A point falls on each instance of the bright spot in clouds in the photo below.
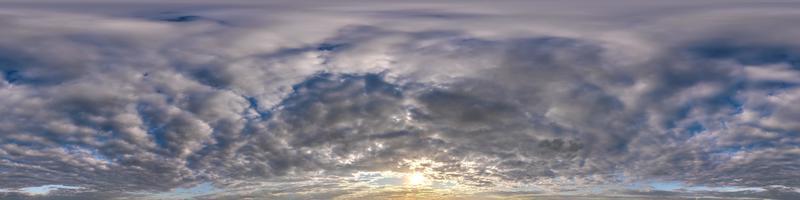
(417, 179)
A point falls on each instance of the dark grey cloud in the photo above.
(494, 101)
(67, 195)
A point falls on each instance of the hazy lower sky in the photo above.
(443, 99)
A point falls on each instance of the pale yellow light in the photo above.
(416, 179)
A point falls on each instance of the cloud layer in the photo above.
(128, 99)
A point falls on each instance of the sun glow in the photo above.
(416, 179)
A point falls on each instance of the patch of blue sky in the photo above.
(387, 181)
(94, 153)
(666, 185)
(675, 185)
(187, 193)
(45, 189)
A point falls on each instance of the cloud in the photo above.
(549, 98)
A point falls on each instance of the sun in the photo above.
(416, 179)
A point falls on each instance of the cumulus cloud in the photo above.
(517, 99)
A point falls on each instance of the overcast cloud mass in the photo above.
(400, 99)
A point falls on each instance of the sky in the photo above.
(356, 99)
